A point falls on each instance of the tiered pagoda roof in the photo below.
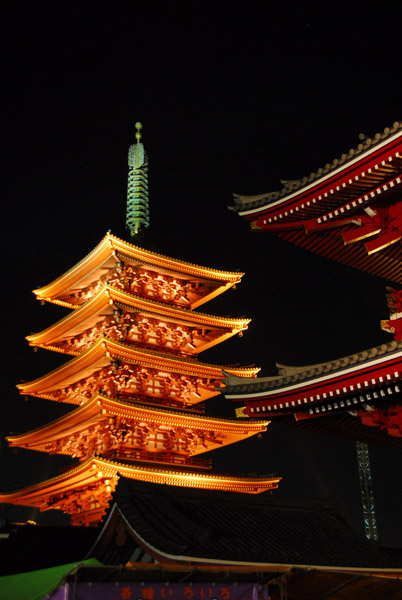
(334, 210)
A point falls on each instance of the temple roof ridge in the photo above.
(247, 202)
(360, 356)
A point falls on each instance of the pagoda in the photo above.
(138, 389)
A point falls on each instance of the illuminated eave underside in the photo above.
(112, 249)
(360, 380)
(101, 408)
(96, 469)
(325, 234)
(104, 351)
(386, 264)
(109, 298)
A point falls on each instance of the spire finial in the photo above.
(138, 135)
(137, 217)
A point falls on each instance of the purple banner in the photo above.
(161, 591)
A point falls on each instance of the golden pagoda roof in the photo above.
(95, 470)
(112, 250)
(104, 351)
(108, 298)
(100, 408)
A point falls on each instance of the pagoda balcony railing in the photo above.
(89, 517)
(156, 347)
(168, 458)
(163, 402)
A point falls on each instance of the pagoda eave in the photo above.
(106, 351)
(88, 422)
(89, 486)
(109, 299)
(111, 250)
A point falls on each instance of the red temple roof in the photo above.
(365, 383)
(334, 210)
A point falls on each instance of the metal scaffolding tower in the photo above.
(366, 488)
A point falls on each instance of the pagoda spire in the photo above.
(137, 215)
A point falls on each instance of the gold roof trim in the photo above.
(95, 468)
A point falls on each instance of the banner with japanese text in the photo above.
(160, 591)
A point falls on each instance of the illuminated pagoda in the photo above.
(133, 336)
(349, 211)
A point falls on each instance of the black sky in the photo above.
(232, 100)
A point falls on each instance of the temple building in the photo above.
(133, 376)
(349, 211)
(171, 527)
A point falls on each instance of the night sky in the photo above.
(232, 100)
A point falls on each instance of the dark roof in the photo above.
(26, 547)
(198, 526)
(186, 525)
